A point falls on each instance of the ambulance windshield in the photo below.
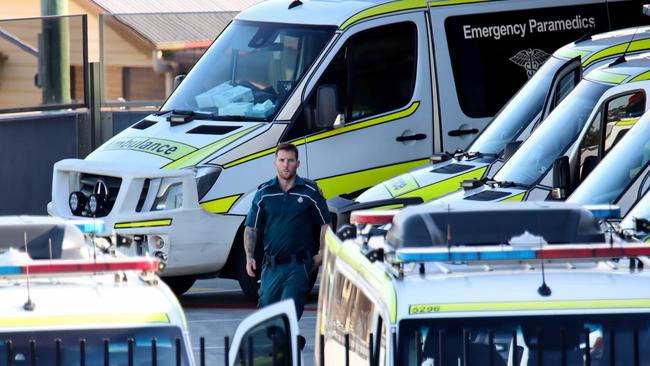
(250, 70)
(620, 168)
(523, 340)
(553, 137)
(519, 112)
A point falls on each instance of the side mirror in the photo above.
(641, 225)
(511, 148)
(561, 178)
(646, 9)
(178, 79)
(327, 102)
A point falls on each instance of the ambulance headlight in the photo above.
(156, 241)
(95, 204)
(206, 176)
(77, 202)
(169, 196)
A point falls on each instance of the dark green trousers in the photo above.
(285, 281)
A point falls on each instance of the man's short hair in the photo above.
(287, 147)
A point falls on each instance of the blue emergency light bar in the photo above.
(89, 226)
(603, 212)
(501, 253)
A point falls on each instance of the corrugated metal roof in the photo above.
(178, 30)
(173, 6)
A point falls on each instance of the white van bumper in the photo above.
(188, 239)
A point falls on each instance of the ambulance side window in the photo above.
(621, 113)
(350, 312)
(565, 86)
(371, 77)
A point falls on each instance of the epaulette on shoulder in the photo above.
(311, 184)
(265, 184)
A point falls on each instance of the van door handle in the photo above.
(459, 132)
(417, 136)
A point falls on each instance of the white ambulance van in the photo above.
(65, 301)
(421, 289)
(366, 89)
(511, 126)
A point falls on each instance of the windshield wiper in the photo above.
(242, 118)
(510, 184)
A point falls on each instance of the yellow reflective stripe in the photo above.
(351, 182)
(319, 136)
(606, 77)
(529, 305)
(201, 154)
(150, 223)
(371, 122)
(627, 122)
(642, 76)
(377, 278)
(427, 193)
(251, 157)
(570, 52)
(387, 207)
(516, 198)
(454, 2)
(83, 319)
(401, 184)
(220, 205)
(390, 7)
(638, 45)
(165, 148)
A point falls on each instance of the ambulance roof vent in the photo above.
(213, 130)
(462, 223)
(144, 124)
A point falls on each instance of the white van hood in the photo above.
(161, 145)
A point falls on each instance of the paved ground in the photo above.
(214, 308)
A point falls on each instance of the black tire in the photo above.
(248, 284)
(179, 284)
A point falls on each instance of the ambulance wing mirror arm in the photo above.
(561, 178)
(327, 107)
(178, 79)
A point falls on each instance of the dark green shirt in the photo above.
(288, 218)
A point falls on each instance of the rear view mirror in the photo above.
(327, 102)
(511, 148)
(646, 9)
(561, 178)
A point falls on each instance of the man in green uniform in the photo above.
(285, 210)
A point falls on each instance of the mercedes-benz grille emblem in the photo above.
(100, 188)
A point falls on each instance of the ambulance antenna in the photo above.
(92, 237)
(621, 58)
(543, 290)
(49, 243)
(448, 231)
(29, 305)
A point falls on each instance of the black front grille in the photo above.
(488, 196)
(88, 184)
(453, 169)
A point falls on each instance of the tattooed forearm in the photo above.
(250, 238)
